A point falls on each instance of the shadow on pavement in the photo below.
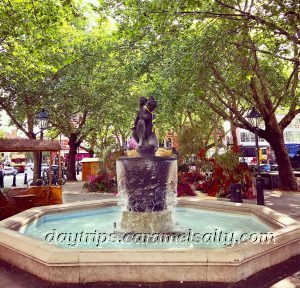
(14, 277)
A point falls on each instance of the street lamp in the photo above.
(255, 118)
(43, 120)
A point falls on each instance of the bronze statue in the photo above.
(143, 126)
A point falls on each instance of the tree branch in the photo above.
(15, 121)
(288, 118)
(295, 60)
(260, 20)
(268, 105)
(293, 74)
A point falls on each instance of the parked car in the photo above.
(262, 168)
(9, 170)
(20, 168)
(265, 167)
(30, 166)
(274, 167)
(295, 161)
(45, 167)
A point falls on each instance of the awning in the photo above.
(30, 145)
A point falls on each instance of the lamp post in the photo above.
(77, 169)
(254, 117)
(43, 120)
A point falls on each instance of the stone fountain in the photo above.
(147, 187)
(147, 183)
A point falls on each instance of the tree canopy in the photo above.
(205, 62)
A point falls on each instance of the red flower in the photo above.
(235, 149)
(202, 153)
(103, 182)
(185, 190)
(249, 193)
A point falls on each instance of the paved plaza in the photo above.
(284, 275)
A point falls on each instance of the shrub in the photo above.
(185, 189)
(103, 182)
(226, 170)
(186, 182)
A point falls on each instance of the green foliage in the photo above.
(88, 64)
(37, 39)
(103, 156)
(228, 160)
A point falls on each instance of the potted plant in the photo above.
(3, 197)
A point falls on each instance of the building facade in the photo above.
(291, 134)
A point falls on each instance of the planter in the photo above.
(3, 200)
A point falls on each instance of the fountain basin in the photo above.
(229, 264)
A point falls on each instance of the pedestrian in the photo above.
(1, 176)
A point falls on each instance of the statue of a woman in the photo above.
(143, 126)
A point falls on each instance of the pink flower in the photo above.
(132, 143)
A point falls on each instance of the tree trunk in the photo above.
(36, 162)
(233, 131)
(287, 179)
(71, 168)
(234, 135)
(91, 153)
(216, 141)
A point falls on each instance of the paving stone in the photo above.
(296, 275)
(289, 282)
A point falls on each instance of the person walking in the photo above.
(1, 176)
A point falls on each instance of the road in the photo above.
(8, 179)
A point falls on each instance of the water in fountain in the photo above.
(147, 187)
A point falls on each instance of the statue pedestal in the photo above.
(147, 184)
(148, 191)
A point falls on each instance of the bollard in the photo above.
(77, 169)
(260, 191)
(25, 178)
(236, 193)
(1, 179)
(14, 181)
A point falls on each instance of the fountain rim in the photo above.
(37, 256)
(147, 157)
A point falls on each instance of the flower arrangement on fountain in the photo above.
(225, 170)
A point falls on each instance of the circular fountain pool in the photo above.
(198, 228)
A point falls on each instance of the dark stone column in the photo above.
(147, 184)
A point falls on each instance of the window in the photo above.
(288, 136)
(247, 137)
(297, 136)
(250, 137)
(295, 123)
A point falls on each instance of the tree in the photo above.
(75, 106)
(90, 93)
(231, 56)
(33, 49)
